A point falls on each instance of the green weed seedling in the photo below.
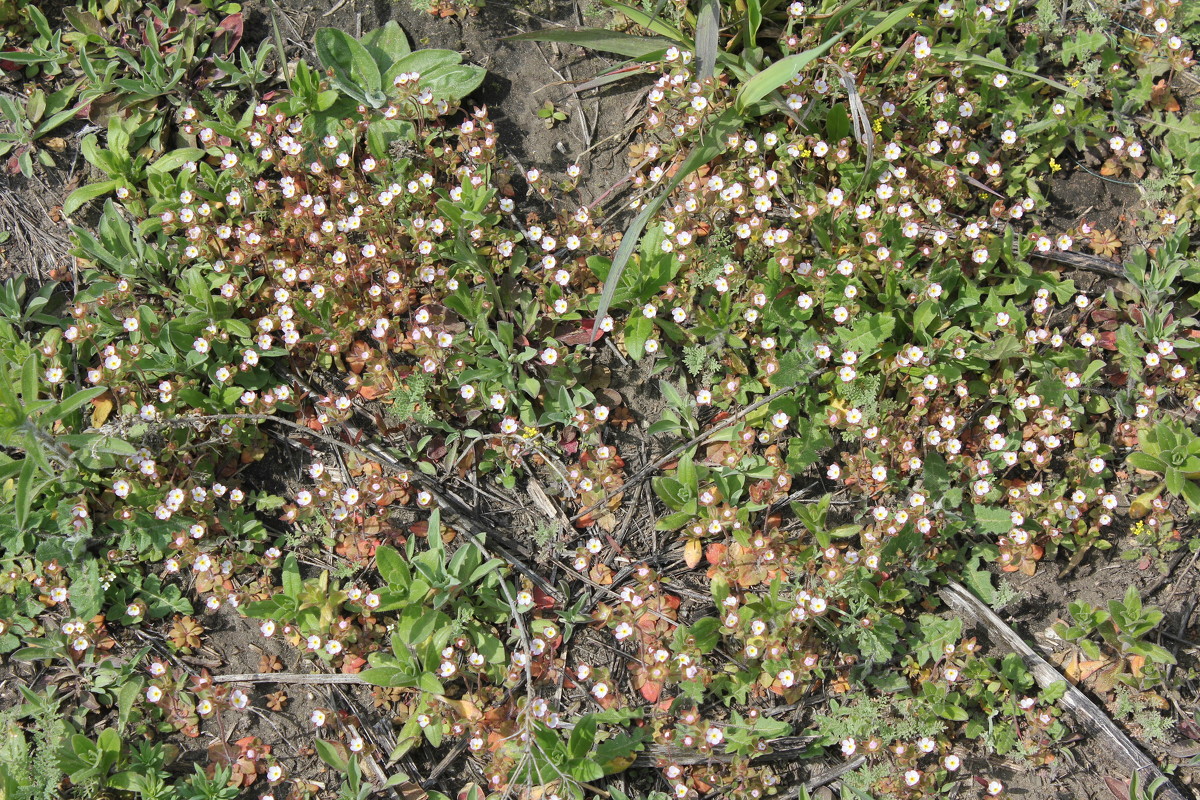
(1121, 630)
(1172, 450)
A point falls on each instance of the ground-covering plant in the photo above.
(838, 271)
(133, 63)
(1123, 627)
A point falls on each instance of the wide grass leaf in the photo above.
(780, 73)
(708, 25)
(710, 146)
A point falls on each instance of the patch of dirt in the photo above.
(521, 77)
(233, 645)
(1108, 204)
(38, 239)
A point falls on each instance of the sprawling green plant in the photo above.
(1172, 450)
(837, 271)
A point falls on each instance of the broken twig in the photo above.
(1089, 716)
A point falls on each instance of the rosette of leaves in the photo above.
(1172, 450)
(365, 69)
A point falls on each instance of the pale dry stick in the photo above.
(1085, 711)
(833, 774)
(335, 7)
(624, 361)
(701, 438)
(447, 760)
(300, 678)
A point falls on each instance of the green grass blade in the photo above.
(710, 146)
(780, 73)
(754, 17)
(708, 26)
(612, 76)
(649, 22)
(889, 22)
(948, 53)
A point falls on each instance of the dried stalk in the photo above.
(1089, 716)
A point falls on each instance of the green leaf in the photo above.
(708, 24)
(649, 21)
(1191, 493)
(129, 693)
(35, 107)
(600, 39)
(455, 83)
(175, 159)
(332, 753)
(837, 122)
(753, 22)
(952, 711)
(638, 330)
(993, 520)
(582, 737)
(979, 581)
(1082, 46)
(29, 380)
(1146, 462)
(384, 132)
(292, 583)
(87, 193)
(386, 44)
(391, 567)
(24, 501)
(389, 676)
(73, 402)
(429, 683)
(423, 62)
(87, 593)
(804, 450)
(889, 22)
(350, 61)
(866, 336)
(779, 73)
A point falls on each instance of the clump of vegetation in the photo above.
(840, 272)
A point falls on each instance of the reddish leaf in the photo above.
(371, 392)
(580, 335)
(221, 753)
(1161, 97)
(541, 599)
(229, 33)
(1189, 728)
(651, 690)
